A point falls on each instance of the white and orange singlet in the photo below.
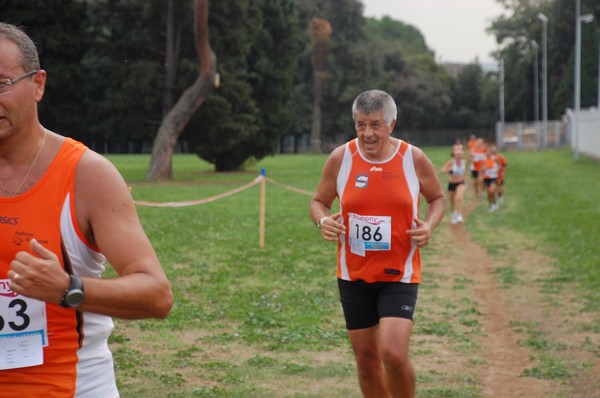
(379, 202)
(491, 168)
(47, 350)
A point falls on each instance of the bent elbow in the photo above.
(163, 307)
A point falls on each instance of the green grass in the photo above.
(252, 322)
(555, 202)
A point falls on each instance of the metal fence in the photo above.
(420, 138)
(531, 135)
(586, 137)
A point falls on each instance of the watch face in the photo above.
(74, 297)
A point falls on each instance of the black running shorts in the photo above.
(365, 303)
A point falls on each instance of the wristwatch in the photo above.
(73, 296)
(320, 222)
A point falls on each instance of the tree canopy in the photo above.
(110, 86)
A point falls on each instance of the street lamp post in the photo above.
(544, 21)
(598, 104)
(501, 94)
(536, 96)
(579, 19)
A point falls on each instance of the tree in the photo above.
(61, 40)
(178, 117)
(258, 53)
(125, 76)
(514, 31)
(320, 33)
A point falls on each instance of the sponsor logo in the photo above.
(373, 220)
(21, 237)
(375, 168)
(361, 181)
(5, 290)
(389, 175)
(391, 271)
(9, 220)
(407, 308)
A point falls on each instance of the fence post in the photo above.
(520, 134)
(263, 200)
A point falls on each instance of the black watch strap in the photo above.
(74, 294)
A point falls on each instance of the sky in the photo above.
(453, 29)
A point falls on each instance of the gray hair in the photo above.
(29, 55)
(375, 101)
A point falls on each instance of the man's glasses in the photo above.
(6, 85)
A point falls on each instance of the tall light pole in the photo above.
(598, 104)
(501, 94)
(536, 96)
(544, 20)
(578, 20)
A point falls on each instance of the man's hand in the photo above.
(38, 276)
(331, 228)
(421, 234)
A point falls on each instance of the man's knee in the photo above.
(396, 360)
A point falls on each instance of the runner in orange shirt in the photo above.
(490, 171)
(64, 210)
(503, 162)
(478, 155)
(472, 143)
(378, 180)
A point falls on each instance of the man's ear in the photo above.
(40, 84)
(392, 124)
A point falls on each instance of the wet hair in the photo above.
(375, 101)
(29, 56)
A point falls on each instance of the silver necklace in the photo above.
(32, 164)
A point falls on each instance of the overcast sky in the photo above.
(453, 29)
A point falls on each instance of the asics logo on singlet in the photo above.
(9, 220)
(375, 168)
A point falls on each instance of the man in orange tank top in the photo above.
(503, 162)
(378, 180)
(65, 210)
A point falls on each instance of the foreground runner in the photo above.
(378, 180)
(65, 211)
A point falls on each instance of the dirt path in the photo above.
(502, 308)
(504, 358)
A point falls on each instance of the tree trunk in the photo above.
(320, 30)
(315, 131)
(161, 162)
(172, 54)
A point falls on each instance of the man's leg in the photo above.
(394, 341)
(371, 377)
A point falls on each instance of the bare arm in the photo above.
(320, 204)
(447, 167)
(107, 217)
(432, 190)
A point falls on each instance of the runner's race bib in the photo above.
(369, 233)
(23, 329)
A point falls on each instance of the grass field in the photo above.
(251, 322)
